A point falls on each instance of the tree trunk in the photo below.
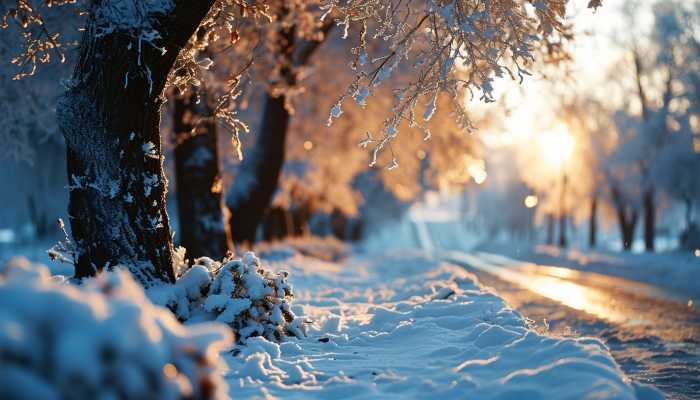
(110, 117)
(688, 212)
(197, 179)
(247, 204)
(550, 229)
(563, 242)
(262, 169)
(39, 219)
(627, 223)
(593, 224)
(562, 213)
(628, 233)
(649, 220)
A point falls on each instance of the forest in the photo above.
(209, 199)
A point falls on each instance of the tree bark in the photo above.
(110, 117)
(649, 205)
(593, 224)
(197, 178)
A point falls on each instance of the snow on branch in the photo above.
(456, 46)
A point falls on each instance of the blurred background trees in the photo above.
(605, 156)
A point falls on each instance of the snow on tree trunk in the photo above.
(197, 179)
(110, 116)
(248, 206)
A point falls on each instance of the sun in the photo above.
(556, 146)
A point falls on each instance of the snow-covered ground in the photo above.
(403, 325)
(407, 326)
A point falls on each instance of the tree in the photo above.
(260, 170)
(663, 65)
(197, 177)
(592, 129)
(110, 113)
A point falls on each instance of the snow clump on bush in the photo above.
(239, 292)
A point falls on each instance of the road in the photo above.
(653, 334)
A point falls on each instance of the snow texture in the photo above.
(410, 327)
(102, 339)
(237, 292)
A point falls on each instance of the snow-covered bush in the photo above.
(239, 292)
(102, 339)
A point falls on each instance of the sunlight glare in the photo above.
(477, 171)
(556, 146)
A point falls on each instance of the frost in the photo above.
(430, 109)
(394, 164)
(149, 149)
(361, 96)
(205, 63)
(362, 59)
(335, 113)
(130, 15)
(149, 182)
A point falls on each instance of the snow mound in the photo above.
(238, 292)
(101, 339)
(406, 326)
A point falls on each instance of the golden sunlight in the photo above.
(556, 146)
(477, 170)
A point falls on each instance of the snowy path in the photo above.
(408, 326)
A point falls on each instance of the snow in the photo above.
(239, 292)
(407, 326)
(104, 337)
(397, 325)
